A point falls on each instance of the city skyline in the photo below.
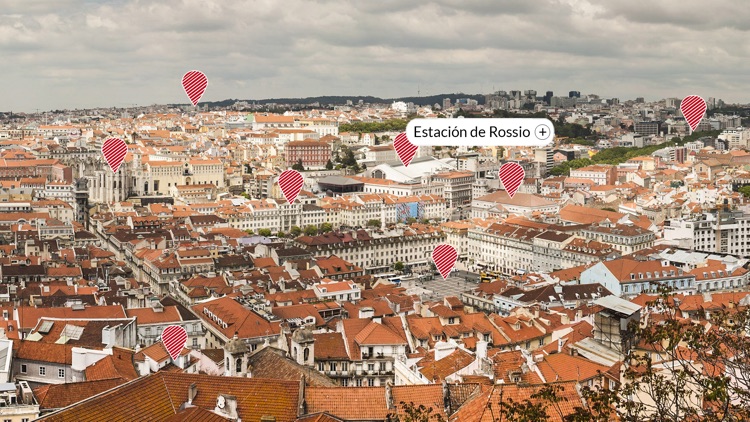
(86, 54)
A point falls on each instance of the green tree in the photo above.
(311, 230)
(250, 232)
(398, 266)
(329, 165)
(326, 227)
(264, 232)
(280, 234)
(410, 412)
(699, 370)
(348, 159)
(298, 166)
(411, 220)
(373, 223)
(295, 231)
(745, 191)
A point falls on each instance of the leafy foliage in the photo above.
(697, 370)
(264, 232)
(413, 413)
(393, 125)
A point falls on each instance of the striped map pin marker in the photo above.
(693, 108)
(444, 256)
(404, 149)
(290, 182)
(114, 151)
(512, 175)
(174, 338)
(195, 83)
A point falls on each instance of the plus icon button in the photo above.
(542, 132)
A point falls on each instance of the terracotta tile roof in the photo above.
(196, 414)
(319, 417)
(430, 395)
(156, 352)
(119, 365)
(56, 396)
(564, 367)
(272, 363)
(363, 403)
(149, 316)
(330, 346)
(44, 352)
(160, 395)
(246, 323)
(377, 334)
(439, 370)
(30, 316)
(483, 407)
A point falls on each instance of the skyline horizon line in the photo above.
(187, 104)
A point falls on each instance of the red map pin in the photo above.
(404, 149)
(195, 83)
(114, 151)
(512, 175)
(290, 182)
(174, 338)
(693, 108)
(444, 256)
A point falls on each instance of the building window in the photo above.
(359, 382)
(42, 371)
(23, 368)
(371, 382)
(60, 373)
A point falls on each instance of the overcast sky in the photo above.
(88, 53)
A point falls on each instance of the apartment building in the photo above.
(600, 174)
(626, 238)
(510, 248)
(628, 277)
(376, 251)
(458, 187)
(727, 233)
(313, 154)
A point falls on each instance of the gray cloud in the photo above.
(79, 53)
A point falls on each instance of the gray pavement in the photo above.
(438, 288)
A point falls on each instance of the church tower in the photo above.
(303, 347)
(235, 357)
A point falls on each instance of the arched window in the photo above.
(307, 353)
(237, 365)
(294, 353)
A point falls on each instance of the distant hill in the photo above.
(341, 100)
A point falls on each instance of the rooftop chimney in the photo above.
(192, 392)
